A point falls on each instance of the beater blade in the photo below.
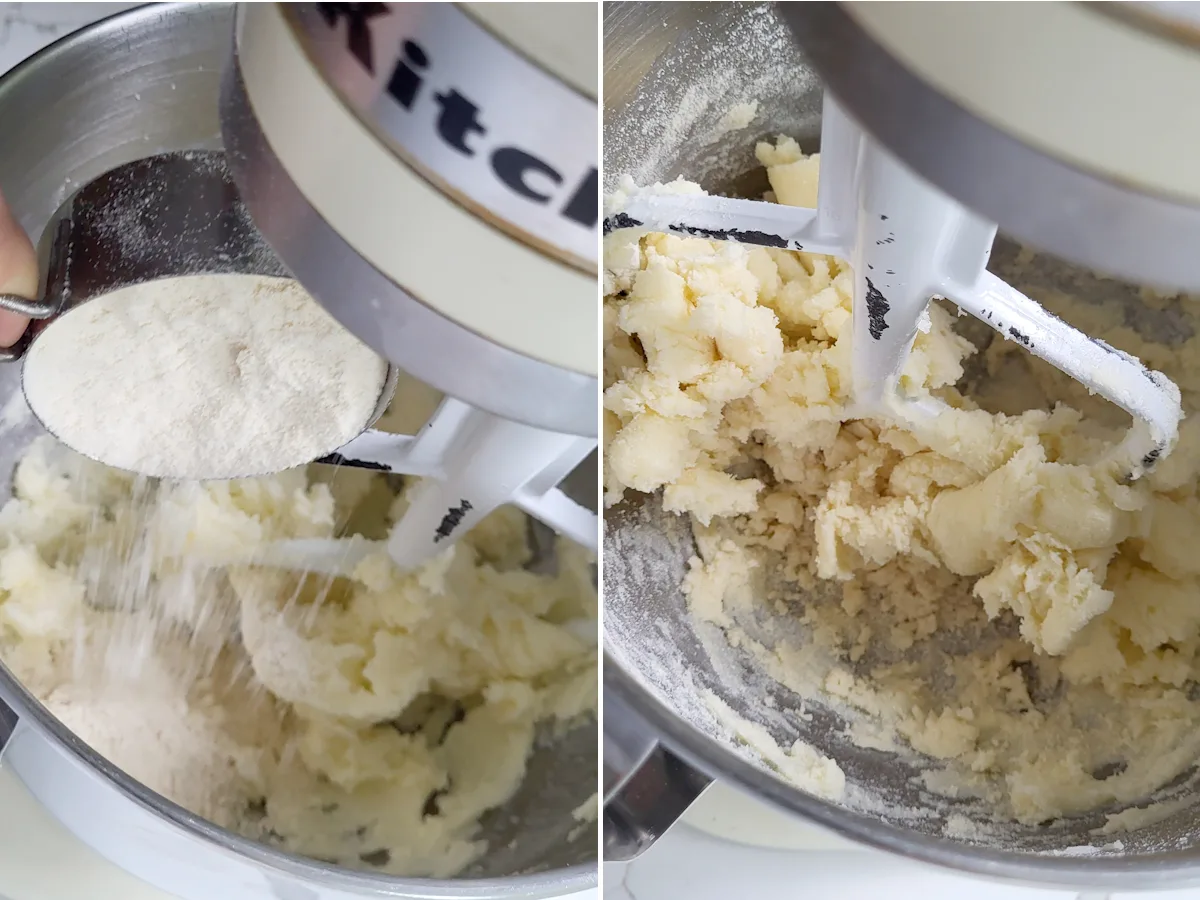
(908, 243)
(472, 463)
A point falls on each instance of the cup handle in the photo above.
(33, 309)
(647, 787)
(40, 310)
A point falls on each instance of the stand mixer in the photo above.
(335, 118)
(922, 151)
(516, 361)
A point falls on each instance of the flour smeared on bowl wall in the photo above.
(678, 119)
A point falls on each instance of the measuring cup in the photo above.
(161, 217)
(180, 214)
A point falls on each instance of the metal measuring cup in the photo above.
(164, 216)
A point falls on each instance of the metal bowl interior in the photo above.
(146, 82)
(672, 70)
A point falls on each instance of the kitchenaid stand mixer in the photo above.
(328, 111)
(507, 337)
(660, 751)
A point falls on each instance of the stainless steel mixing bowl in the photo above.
(141, 83)
(671, 71)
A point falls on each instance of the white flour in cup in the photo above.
(203, 376)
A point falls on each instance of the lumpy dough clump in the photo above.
(369, 721)
(1003, 525)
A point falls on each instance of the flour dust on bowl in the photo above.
(244, 731)
(973, 643)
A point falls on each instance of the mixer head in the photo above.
(1034, 146)
(437, 191)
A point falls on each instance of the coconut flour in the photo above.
(203, 376)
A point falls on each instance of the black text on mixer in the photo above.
(460, 122)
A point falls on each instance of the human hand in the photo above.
(18, 273)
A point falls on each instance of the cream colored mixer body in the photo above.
(429, 173)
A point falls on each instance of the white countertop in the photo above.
(729, 845)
